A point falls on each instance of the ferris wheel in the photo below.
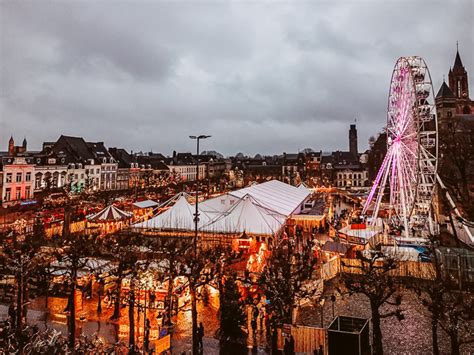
(407, 176)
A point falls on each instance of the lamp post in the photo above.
(196, 215)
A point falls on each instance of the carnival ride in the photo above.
(408, 170)
(408, 174)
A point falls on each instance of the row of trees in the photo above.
(32, 257)
(288, 278)
(448, 306)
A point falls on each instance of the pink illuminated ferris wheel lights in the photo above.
(404, 185)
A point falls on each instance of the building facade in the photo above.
(18, 179)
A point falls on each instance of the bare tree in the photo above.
(72, 252)
(24, 257)
(287, 280)
(450, 308)
(370, 278)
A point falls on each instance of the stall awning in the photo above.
(110, 214)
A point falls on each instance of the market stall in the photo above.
(109, 220)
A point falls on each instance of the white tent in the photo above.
(257, 209)
(277, 196)
(218, 205)
(146, 204)
(178, 217)
(247, 215)
(303, 187)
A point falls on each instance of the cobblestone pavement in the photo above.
(411, 336)
(111, 331)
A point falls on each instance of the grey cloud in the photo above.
(259, 77)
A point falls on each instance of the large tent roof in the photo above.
(218, 205)
(247, 215)
(258, 209)
(178, 217)
(110, 214)
(146, 204)
(275, 195)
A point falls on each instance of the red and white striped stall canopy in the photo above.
(110, 214)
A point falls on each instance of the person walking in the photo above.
(200, 336)
(12, 315)
(254, 322)
(147, 335)
(292, 346)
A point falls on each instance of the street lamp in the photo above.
(196, 215)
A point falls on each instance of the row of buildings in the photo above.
(82, 166)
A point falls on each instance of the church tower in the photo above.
(459, 85)
(353, 141)
(458, 79)
(11, 146)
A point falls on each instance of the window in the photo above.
(27, 192)
(28, 176)
(8, 194)
(18, 193)
(8, 177)
(450, 114)
(18, 177)
(97, 171)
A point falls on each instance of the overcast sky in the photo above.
(262, 77)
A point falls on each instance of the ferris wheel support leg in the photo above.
(382, 188)
(402, 193)
(376, 184)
